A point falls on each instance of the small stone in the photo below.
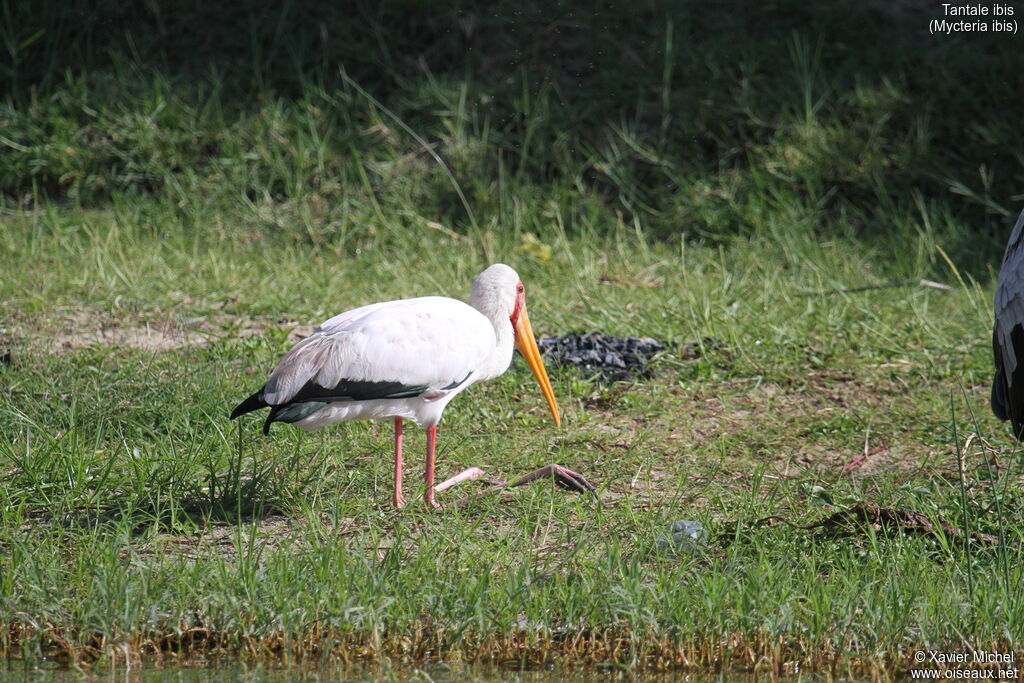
(684, 534)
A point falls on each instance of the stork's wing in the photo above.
(394, 349)
(1008, 333)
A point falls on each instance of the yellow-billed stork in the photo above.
(403, 359)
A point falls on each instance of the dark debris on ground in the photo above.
(608, 358)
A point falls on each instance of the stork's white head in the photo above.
(495, 291)
(499, 294)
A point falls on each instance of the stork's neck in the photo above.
(499, 360)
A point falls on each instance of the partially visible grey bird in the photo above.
(1008, 334)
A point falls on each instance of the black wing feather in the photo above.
(254, 402)
(356, 390)
(1008, 387)
(316, 397)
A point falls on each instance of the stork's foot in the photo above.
(398, 500)
(468, 474)
(428, 498)
(563, 477)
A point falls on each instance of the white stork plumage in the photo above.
(403, 360)
(1008, 334)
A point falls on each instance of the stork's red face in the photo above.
(527, 345)
(520, 304)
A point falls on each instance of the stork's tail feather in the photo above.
(254, 402)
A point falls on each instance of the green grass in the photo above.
(173, 209)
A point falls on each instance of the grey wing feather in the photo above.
(311, 358)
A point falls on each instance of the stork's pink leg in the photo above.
(428, 496)
(398, 500)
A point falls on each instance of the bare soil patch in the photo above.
(70, 329)
(223, 539)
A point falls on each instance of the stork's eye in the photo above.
(520, 289)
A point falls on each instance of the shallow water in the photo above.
(435, 672)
